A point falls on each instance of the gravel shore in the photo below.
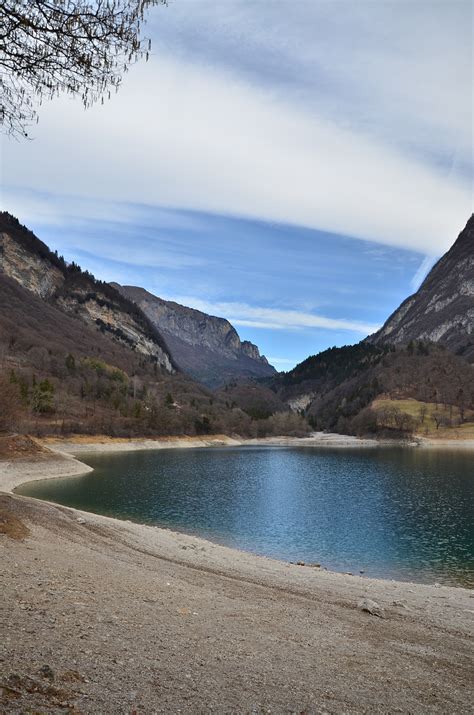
(83, 443)
(106, 616)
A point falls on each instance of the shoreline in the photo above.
(55, 463)
(78, 444)
(164, 602)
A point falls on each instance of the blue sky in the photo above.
(294, 167)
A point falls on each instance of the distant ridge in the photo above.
(206, 347)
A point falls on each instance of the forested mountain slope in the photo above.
(336, 388)
(423, 353)
(58, 374)
(77, 356)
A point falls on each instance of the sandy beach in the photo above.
(108, 616)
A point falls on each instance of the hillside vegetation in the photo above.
(77, 356)
(427, 419)
(59, 375)
(423, 353)
(341, 385)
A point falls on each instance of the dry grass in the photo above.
(427, 425)
(86, 439)
(18, 445)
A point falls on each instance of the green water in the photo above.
(389, 512)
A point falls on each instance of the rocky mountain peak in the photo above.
(442, 309)
(205, 346)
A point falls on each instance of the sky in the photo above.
(296, 167)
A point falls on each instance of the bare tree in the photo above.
(461, 404)
(82, 47)
(9, 403)
(423, 412)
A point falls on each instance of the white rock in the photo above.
(372, 607)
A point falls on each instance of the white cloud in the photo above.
(188, 135)
(145, 253)
(282, 363)
(422, 271)
(272, 318)
(398, 68)
(62, 209)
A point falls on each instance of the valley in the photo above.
(236, 358)
(82, 356)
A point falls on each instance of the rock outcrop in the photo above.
(27, 268)
(442, 310)
(206, 347)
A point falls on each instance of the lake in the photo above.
(388, 512)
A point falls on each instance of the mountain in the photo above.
(421, 357)
(28, 261)
(80, 355)
(442, 309)
(76, 356)
(204, 346)
(60, 374)
(336, 389)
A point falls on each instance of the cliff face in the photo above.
(206, 347)
(442, 310)
(28, 261)
(28, 269)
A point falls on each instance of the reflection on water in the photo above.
(390, 512)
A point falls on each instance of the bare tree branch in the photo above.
(82, 47)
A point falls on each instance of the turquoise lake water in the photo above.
(389, 512)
